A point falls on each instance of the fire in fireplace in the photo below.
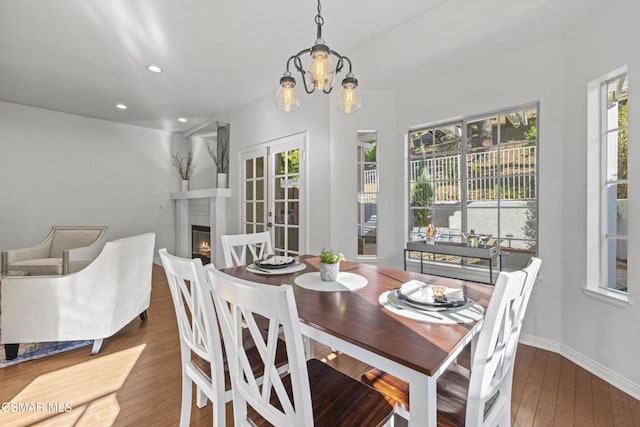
(201, 243)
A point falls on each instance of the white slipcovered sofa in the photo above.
(66, 249)
(91, 304)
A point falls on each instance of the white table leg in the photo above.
(423, 401)
(474, 343)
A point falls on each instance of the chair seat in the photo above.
(39, 267)
(338, 400)
(453, 387)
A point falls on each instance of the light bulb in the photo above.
(320, 73)
(286, 96)
(350, 101)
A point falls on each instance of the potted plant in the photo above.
(330, 265)
(185, 168)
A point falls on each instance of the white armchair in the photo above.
(91, 304)
(66, 249)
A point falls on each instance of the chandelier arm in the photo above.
(297, 57)
(340, 62)
(297, 62)
(344, 58)
(294, 57)
(306, 88)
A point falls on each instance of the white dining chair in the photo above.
(235, 247)
(198, 334)
(482, 396)
(312, 393)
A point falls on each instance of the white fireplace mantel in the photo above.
(218, 199)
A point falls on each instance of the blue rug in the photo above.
(32, 351)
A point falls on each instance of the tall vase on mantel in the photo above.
(222, 180)
(184, 185)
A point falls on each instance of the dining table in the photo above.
(355, 323)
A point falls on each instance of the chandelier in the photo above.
(318, 75)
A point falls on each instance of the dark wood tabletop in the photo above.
(358, 318)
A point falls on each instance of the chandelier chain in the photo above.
(319, 22)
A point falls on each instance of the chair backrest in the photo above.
(196, 316)
(236, 303)
(107, 295)
(70, 237)
(235, 247)
(492, 363)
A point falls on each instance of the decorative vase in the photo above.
(184, 185)
(329, 272)
(222, 180)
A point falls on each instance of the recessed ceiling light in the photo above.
(154, 68)
(182, 120)
(121, 106)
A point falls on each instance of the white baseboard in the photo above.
(543, 343)
(581, 360)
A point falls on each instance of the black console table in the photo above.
(489, 253)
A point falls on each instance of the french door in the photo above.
(273, 192)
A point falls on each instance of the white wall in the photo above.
(261, 122)
(63, 169)
(205, 173)
(604, 333)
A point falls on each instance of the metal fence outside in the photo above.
(510, 171)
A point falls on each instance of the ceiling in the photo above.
(85, 56)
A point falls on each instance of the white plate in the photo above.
(470, 313)
(275, 271)
(275, 262)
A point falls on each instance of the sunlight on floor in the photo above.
(330, 356)
(84, 393)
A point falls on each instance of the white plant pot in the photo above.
(184, 185)
(329, 272)
(222, 180)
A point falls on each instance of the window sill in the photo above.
(613, 298)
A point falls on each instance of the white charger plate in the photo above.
(344, 282)
(277, 271)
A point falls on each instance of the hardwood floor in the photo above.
(135, 380)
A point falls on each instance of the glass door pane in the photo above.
(285, 205)
(254, 191)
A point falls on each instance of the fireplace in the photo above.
(201, 243)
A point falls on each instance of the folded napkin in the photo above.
(424, 293)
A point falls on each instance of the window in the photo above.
(608, 184)
(367, 194)
(477, 174)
